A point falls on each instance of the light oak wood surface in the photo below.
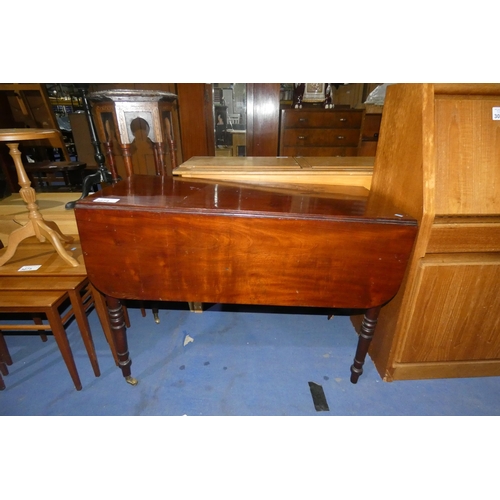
(13, 212)
(438, 157)
(319, 171)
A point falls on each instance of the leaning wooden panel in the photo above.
(343, 171)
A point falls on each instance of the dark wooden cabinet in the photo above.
(263, 107)
(320, 132)
(196, 119)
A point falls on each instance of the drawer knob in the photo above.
(302, 120)
(302, 137)
(340, 137)
(343, 119)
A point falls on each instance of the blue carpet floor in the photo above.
(250, 362)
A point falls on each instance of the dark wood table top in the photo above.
(163, 238)
(167, 194)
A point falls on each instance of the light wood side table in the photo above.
(36, 226)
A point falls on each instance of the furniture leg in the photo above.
(38, 321)
(52, 232)
(365, 337)
(102, 314)
(43, 230)
(4, 360)
(15, 238)
(3, 369)
(4, 353)
(196, 307)
(62, 341)
(117, 319)
(126, 316)
(156, 315)
(83, 325)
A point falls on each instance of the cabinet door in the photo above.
(454, 313)
(196, 119)
(263, 101)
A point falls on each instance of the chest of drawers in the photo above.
(320, 132)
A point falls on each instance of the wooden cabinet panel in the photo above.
(263, 101)
(468, 159)
(462, 236)
(454, 310)
(196, 119)
(438, 159)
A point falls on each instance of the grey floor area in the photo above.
(228, 362)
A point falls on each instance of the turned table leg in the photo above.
(365, 337)
(119, 330)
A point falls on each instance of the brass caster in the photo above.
(157, 318)
(131, 380)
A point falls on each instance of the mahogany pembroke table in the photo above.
(161, 238)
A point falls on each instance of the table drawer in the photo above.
(321, 119)
(321, 137)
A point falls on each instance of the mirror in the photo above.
(230, 118)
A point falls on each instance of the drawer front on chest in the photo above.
(327, 119)
(320, 137)
(320, 151)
